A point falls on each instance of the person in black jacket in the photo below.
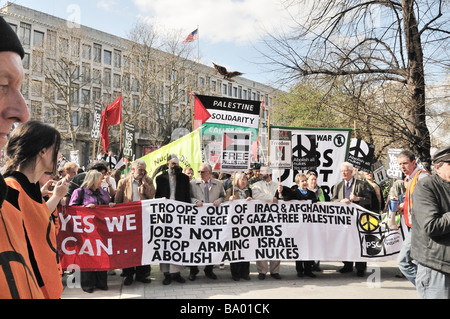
(299, 191)
(173, 184)
(430, 231)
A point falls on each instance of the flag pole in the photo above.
(198, 44)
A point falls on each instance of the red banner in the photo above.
(102, 238)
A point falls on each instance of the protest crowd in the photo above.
(36, 182)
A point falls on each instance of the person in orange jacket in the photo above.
(17, 279)
(408, 165)
(32, 150)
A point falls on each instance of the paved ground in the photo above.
(381, 282)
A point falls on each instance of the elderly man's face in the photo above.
(139, 172)
(204, 173)
(346, 173)
(13, 108)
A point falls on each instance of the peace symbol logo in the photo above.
(368, 222)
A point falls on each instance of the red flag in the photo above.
(201, 114)
(112, 115)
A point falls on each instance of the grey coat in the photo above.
(216, 191)
(430, 232)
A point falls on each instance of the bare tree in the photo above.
(64, 80)
(159, 81)
(382, 41)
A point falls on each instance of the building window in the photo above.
(85, 96)
(25, 33)
(26, 61)
(97, 78)
(37, 60)
(51, 41)
(76, 45)
(86, 72)
(107, 77)
(96, 94)
(97, 53)
(36, 88)
(75, 118)
(116, 81)
(86, 51)
(117, 58)
(107, 57)
(64, 46)
(38, 39)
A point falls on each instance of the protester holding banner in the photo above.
(316, 189)
(430, 243)
(265, 190)
(321, 196)
(299, 191)
(136, 186)
(205, 190)
(189, 171)
(407, 162)
(32, 150)
(352, 190)
(173, 184)
(77, 180)
(89, 195)
(377, 197)
(256, 174)
(240, 190)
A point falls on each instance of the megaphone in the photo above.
(391, 217)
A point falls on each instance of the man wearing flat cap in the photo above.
(430, 238)
(16, 271)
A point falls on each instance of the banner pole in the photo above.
(192, 109)
(268, 138)
(93, 151)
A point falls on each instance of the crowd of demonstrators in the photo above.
(31, 189)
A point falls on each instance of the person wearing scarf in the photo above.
(89, 195)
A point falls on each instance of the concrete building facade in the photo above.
(69, 68)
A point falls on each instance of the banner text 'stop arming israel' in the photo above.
(231, 111)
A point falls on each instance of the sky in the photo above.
(230, 31)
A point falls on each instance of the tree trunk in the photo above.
(414, 112)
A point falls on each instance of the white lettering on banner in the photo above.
(175, 232)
